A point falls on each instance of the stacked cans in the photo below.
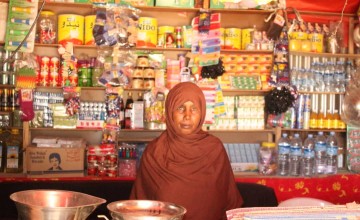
(102, 160)
(48, 74)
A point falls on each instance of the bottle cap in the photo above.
(268, 144)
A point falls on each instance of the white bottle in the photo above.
(308, 160)
(295, 155)
(320, 153)
(331, 154)
(283, 155)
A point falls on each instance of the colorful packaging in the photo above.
(89, 25)
(71, 29)
(147, 32)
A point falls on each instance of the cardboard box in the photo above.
(180, 4)
(72, 160)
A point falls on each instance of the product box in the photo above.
(216, 4)
(66, 161)
(180, 4)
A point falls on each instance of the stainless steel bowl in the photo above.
(54, 204)
(145, 209)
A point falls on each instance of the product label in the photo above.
(12, 157)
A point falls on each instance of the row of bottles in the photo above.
(316, 111)
(315, 156)
(11, 152)
(9, 99)
(321, 74)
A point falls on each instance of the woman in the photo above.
(185, 165)
(55, 161)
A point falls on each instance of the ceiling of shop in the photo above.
(324, 5)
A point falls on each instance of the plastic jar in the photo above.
(267, 158)
(47, 27)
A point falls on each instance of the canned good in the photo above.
(137, 83)
(71, 29)
(149, 83)
(147, 32)
(89, 25)
(149, 72)
(142, 61)
(163, 30)
(138, 72)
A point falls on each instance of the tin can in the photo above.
(71, 29)
(54, 77)
(149, 83)
(138, 72)
(137, 83)
(142, 61)
(147, 32)
(233, 38)
(149, 72)
(89, 25)
(162, 31)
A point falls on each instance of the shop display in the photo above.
(143, 69)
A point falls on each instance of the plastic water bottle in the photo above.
(308, 160)
(320, 153)
(331, 154)
(295, 155)
(283, 155)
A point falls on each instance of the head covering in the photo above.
(190, 170)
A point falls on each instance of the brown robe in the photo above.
(189, 170)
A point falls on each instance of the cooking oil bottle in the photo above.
(14, 152)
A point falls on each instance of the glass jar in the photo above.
(47, 28)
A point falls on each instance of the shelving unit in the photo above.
(174, 17)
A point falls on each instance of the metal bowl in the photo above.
(145, 209)
(54, 204)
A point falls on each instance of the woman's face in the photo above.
(54, 162)
(186, 117)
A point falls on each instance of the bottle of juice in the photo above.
(314, 112)
(321, 120)
(328, 120)
(14, 152)
(336, 120)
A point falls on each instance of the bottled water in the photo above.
(320, 153)
(295, 155)
(318, 76)
(331, 154)
(328, 76)
(308, 161)
(283, 155)
(293, 77)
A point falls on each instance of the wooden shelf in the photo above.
(322, 93)
(67, 129)
(314, 130)
(329, 55)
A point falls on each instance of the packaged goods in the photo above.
(71, 29)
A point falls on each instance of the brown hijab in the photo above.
(189, 170)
